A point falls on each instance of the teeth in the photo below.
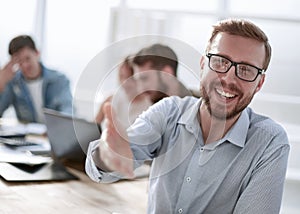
(224, 94)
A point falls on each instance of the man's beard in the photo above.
(221, 112)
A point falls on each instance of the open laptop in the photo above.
(69, 138)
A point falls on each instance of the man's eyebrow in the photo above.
(243, 62)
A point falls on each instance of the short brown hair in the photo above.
(158, 55)
(20, 42)
(244, 28)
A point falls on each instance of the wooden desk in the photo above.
(79, 196)
(76, 196)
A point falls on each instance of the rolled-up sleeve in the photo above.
(95, 173)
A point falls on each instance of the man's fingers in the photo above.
(110, 124)
(118, 156)
(107, 109)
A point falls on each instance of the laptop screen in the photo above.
(69, 136)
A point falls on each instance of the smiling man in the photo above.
(213, 154)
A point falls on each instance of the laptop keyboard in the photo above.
(16, 141)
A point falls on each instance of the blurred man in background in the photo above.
(29, 86)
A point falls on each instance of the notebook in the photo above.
(69, 138)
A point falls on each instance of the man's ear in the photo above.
(260, 83)
(202, 59)
(202, 63)
(38, 53)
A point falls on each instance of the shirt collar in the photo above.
(190, 117)
(236, 135)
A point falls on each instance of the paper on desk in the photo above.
(9, 155)
(29, 128)
(36, 128)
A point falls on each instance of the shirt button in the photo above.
(180, 210)
(201, 149)
(189, 128)
(188, 179)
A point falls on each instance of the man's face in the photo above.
(150, 82)
(224, 94)
(28, 61)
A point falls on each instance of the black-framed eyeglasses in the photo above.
(243, 71)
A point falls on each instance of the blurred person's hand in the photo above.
(7, 73)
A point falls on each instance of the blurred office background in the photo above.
(73, 34)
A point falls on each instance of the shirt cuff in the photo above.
(95, 173)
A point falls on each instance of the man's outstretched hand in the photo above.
(115, 152)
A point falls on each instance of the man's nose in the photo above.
(230, 75)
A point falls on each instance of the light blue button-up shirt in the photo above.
(243, 172)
